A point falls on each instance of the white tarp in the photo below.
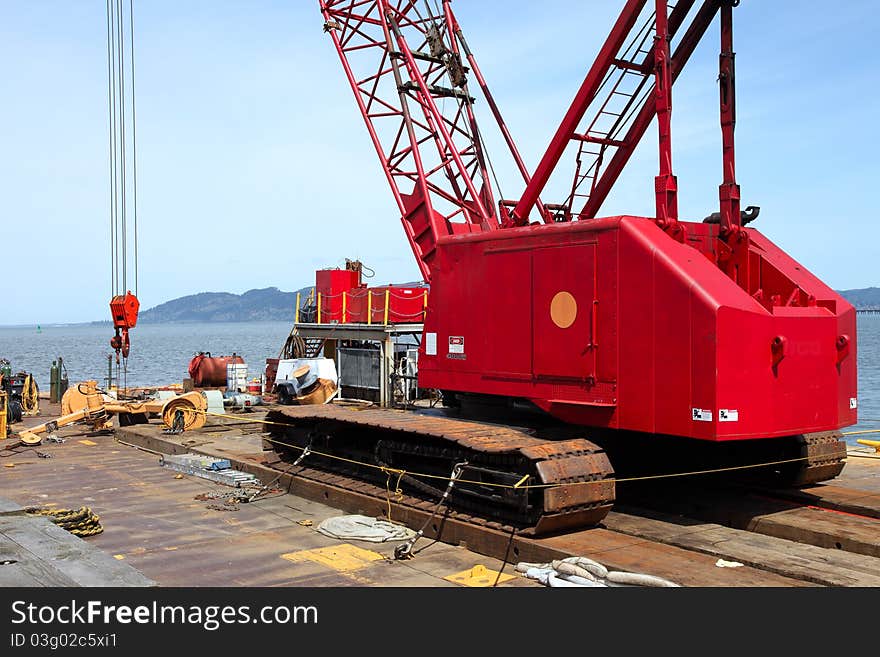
(364, 528)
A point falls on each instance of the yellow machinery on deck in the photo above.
(85, 403)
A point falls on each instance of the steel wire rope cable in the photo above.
(117, 152)
(111, 106)
(120, 52)
(133, 147)
(293, 345)
(119, 156)
(112, 71)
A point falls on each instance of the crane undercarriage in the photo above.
(505, 473)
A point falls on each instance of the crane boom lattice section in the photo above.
(404, 66)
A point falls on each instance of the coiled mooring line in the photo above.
(80, 522)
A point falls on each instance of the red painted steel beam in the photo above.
(588, 89)
(729, 193)
(640, 124)
(665, 184)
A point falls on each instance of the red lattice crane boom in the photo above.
(408, 69)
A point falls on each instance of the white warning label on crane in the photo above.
(728, 415)
(701, 415)
(430, 344)
(456, 344)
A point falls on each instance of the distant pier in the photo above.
(868, 311)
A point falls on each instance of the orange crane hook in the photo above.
(124, 309)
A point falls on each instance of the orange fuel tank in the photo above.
(207, 370)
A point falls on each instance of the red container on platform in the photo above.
(207, 370)
(406, 305)
(330, 284)
(345, 299)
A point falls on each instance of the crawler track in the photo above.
(577, 479)
(825, 453)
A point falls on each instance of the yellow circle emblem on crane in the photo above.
(563, 310)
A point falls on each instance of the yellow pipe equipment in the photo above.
(870, 443)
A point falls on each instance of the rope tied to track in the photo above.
(520, 485)
(398, 491)
(82, 522)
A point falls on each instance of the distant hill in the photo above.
(866, 297)
(271, 304)
(267, 304)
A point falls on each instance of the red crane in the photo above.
(632, 326)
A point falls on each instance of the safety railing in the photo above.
(360, 307)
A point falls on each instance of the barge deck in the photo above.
(825, 535)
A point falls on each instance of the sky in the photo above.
(255, 168)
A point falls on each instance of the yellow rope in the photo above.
(80, 522)
(30, 401)
(398, 492)
(519, 485)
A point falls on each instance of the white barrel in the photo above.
(236, 377)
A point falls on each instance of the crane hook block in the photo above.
(124, 310)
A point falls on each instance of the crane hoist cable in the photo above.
(124, 304)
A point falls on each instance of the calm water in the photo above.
(161, 353)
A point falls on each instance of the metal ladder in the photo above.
(626, 87)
